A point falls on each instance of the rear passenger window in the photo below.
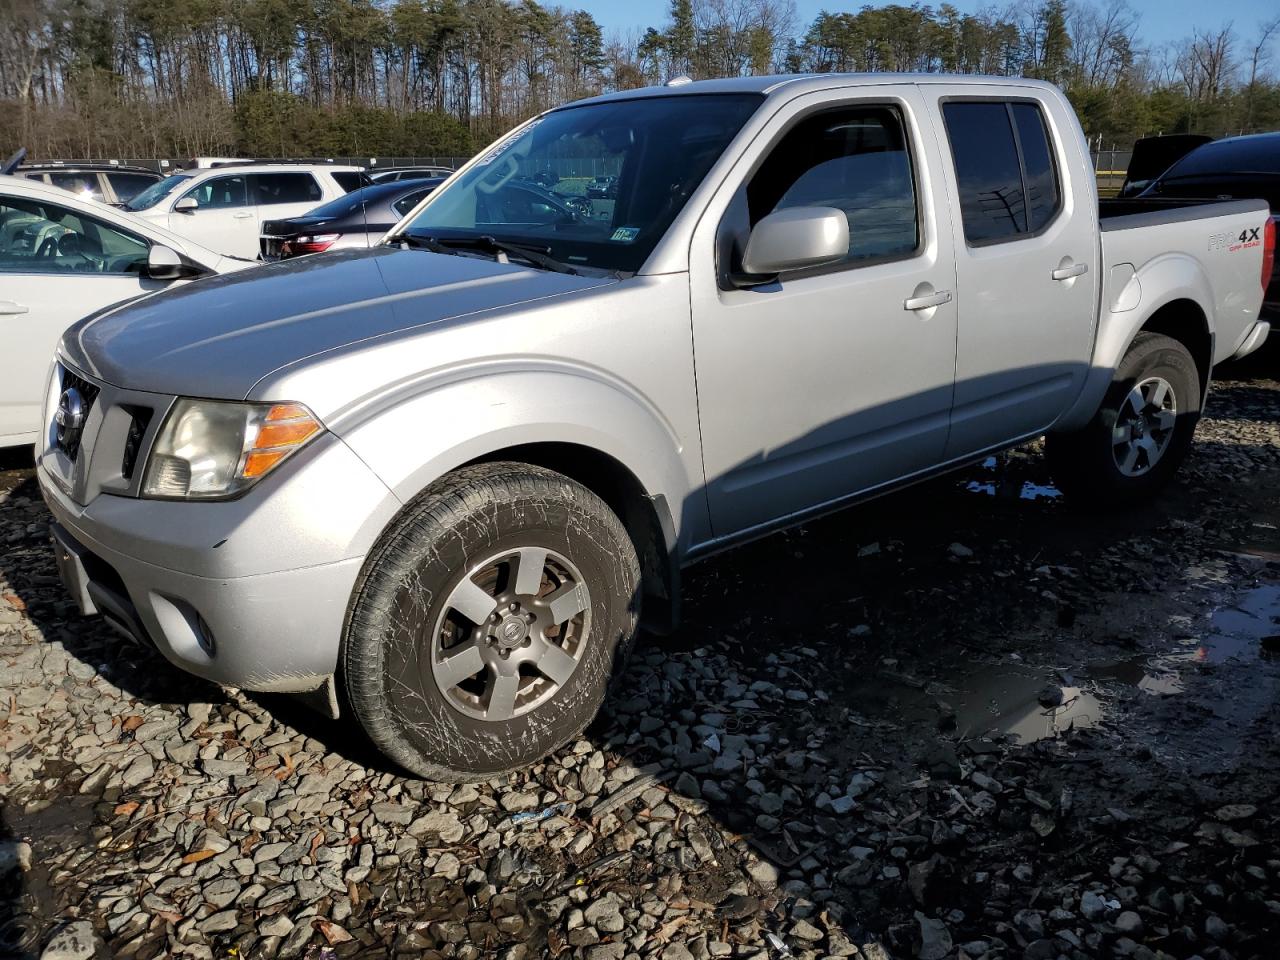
(1004, 169)
(272, 188)
(855, 160)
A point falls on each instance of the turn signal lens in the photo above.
(211, 449)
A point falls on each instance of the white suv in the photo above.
(223, 208)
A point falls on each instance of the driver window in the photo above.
(854, 159)
(219, 193)
(39, 237)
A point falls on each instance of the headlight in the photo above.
(211, 449)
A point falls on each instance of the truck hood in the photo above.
(219, 336)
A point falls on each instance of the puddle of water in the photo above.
(1008, 703)
(1157, 676)
(1248, 629)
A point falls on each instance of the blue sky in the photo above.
(1161, 20)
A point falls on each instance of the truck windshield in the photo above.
(594, 186)
(149, 197)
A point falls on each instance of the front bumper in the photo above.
(271, 632)
(251, 592)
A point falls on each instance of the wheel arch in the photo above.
(647, 518)
(1185, 320)
(593, 431)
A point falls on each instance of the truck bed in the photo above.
(1126, 213)
(1205, 250)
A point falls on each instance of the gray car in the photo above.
(444, 480)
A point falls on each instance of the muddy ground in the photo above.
(967, 720)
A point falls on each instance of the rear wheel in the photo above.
(1138, 438)
(489, 620)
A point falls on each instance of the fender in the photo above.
(1125, 311)
(416, 435)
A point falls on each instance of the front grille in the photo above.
(139, 420)
(69, 434)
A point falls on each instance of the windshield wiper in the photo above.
(422, 243)
(538, 256)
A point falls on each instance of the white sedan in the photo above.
(63, 257)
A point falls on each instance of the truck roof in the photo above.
(800, 83)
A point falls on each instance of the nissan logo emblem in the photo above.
(70, 414)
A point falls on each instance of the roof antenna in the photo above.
(679, 81)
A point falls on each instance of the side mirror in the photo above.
(186, 205)
(794, 239)
(165, 263)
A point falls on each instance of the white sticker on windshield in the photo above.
(625, 234)
(501, 146)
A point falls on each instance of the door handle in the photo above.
(9, 307)
(1066, 273)
(242, 216)
(925, 302)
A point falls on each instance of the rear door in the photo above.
(224, 219)
(1026, 241)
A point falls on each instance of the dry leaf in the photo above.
(331, 931)
(126, 809)
(169, 915)
(666, 931)
(316, 841)
(131, 723)
(15, 601)
(199, 855)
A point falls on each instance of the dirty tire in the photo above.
(414, 572)
(1084, 463)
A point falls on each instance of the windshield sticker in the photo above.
(501, 146)
(625, 234)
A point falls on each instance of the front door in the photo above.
(224, 219)
(827, 382)
(56, 266)
(1026, 245)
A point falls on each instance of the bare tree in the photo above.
(1261, 54)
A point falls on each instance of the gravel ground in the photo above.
(965, 721)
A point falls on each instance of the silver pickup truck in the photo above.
(441, 481)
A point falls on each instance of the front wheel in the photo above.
(488, 622)
(1137, 439)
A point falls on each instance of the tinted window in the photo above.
(405, 204)
(219, 193)
(81, 184)
(1037, 161)
(273, 188)
(350, 180)
(987, 171)
(39, 237)
(129, 185)
(1004, 169)
(1257, 154)
(855, 160)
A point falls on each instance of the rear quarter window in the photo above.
(350, 180)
